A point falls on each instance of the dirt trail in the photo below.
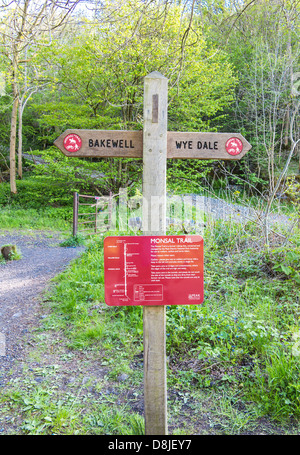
(21, 285)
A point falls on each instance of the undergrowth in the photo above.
(57, 219)
(240, 346)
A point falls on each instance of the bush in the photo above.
(276, 384)
(285, 263)
(36, 192)
(73, 241)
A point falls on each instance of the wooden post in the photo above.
(155, 145)
(154, 223)
(96, 215)
(110, 210)
(75, 213)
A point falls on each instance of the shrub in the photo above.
(276, 384)
(284, 263)
(36, 192)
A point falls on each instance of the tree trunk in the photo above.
(20, 143)
(13, 135)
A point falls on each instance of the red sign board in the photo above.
(153, 270)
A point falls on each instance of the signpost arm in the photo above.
(154, 223)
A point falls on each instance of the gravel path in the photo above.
(218, 208)
(21, 285)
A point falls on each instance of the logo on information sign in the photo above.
(234, 146)
(194, 296)
(72, 142)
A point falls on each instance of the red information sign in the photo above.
(153, 270)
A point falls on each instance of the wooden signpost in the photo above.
(154, 144)
(129, 144)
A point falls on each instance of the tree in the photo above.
(262, 38)
(98, 80)
(26, 24)
(264, 47)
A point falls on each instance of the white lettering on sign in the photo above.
(171, 240)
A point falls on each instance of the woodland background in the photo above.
(232, 66)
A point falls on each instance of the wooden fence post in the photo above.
(154, 223)
(110, 210)
(96, 214)
(75, 213)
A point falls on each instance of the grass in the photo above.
(47, 411)
(232, 361)
(73, 241)
(57, 219)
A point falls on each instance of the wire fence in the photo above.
(98, 214)
(184, 213)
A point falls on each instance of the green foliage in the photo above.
(49, 218)
(187, 177)
(97, 81)
(217, 335)
(53, 182)
(73, 241)
(46, 412)
(64, 175)
(276, 384)
(263, 56)
(38, 192)
(5, 103)
(293, 192)
(285, 262)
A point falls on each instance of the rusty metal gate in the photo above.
(91, 214)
